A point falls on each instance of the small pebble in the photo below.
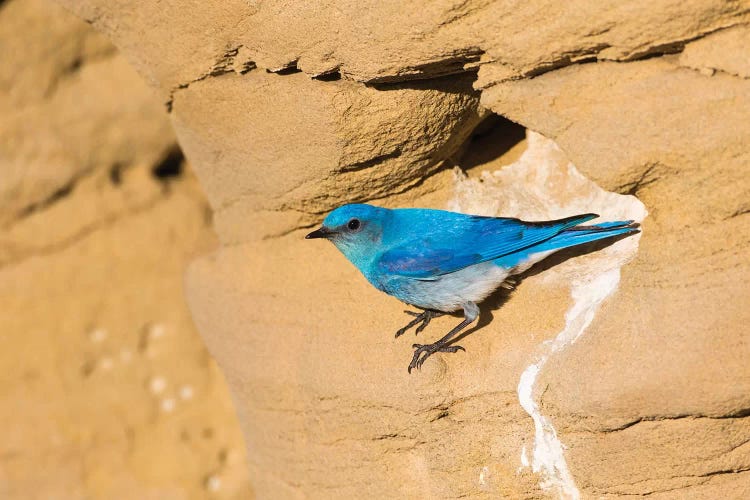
(98, 335)
(167, 404)
(186, 392)
(157, 385)
(213, 483)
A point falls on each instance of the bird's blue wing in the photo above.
(446, 246)
(424, 263)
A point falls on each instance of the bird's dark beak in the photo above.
(319, 233)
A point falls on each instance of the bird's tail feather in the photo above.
(603, 226)
(569, 237)
(585, 234)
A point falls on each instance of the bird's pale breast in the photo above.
(447, 292)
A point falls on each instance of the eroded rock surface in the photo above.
(106, 390)
(287, 109)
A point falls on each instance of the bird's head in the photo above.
(355, 229)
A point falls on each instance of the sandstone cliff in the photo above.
(106, 390)
(628, 376)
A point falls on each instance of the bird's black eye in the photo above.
(353, 224)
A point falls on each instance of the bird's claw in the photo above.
(424, 351)
(421, 327)
(423, 317)
(401, 331)
(445, 348)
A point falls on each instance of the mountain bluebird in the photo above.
(443, 261)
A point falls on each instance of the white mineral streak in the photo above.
(548, 455)
(543, 185)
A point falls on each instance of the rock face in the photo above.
(106, 389)
(289, 109)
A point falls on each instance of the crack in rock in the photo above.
(82, 233)
(229, 62)
(739, 413)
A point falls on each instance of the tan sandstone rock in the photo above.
(106, 391)
(359, 143)
(370, 101)
(65, 98)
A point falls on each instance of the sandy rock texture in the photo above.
(106, 390)
(287, 109)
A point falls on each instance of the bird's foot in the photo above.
(424, 318)
(422, 352)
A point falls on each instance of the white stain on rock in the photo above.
(544, 185)
(548, 457)
(483, 475)
(524, 458)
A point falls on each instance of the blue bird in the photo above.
(442, 261)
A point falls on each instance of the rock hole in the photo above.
(330, 76)
(170, 167)
(115, 174)
(495, 137)
(75, 65)
(289, 69)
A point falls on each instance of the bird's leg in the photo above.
(424, 317)
(422, 352)
(429, 314)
